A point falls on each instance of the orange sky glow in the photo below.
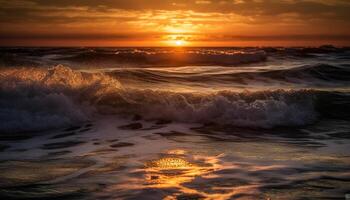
(174, 22)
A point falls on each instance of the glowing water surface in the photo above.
(177, 161)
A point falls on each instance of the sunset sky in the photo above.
(174, 22)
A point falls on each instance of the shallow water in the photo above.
(177, 161)
(262, 123)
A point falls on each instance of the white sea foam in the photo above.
(260, 109)
(38, 99)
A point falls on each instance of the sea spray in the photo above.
(39, 99)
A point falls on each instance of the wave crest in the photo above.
(265, 109)
(319, 71)
(35, 99)
(38, 99)
(168, 57)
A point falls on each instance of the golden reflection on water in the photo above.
(174, 170)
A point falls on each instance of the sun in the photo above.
(179, 42)
(176, 41)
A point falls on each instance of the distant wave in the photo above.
(324, 72)
(306, 51)
(165, 57)
(118, 57)
(312, 75)
(35, 99)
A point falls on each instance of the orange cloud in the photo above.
(157, 22)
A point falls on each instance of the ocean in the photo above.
(175, 123)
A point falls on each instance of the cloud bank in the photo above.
(153, 22)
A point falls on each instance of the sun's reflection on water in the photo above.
(179, 171)
(171, 172)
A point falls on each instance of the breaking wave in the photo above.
(35, 99)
